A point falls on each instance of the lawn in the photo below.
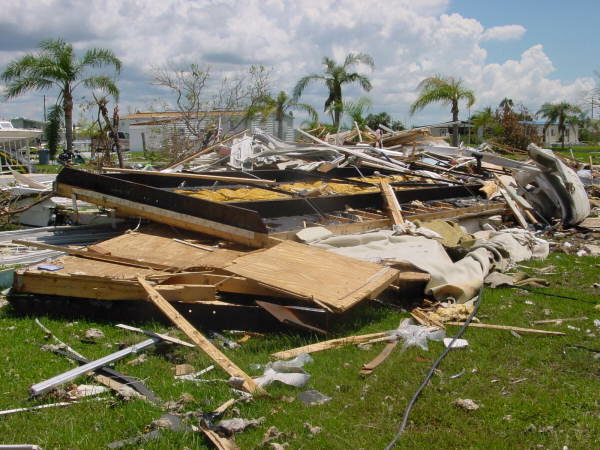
(533, 391)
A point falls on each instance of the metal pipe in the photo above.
(48, 385)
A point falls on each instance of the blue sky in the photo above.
(531, 51)
(569, 31)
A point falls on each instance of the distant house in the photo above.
(28, 124)
(445, 129)
(153, 129)
(552, 134)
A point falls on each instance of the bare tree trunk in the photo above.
(280, 115)
(68, 107)
(113, 126)
(115, 130)
(455, 126)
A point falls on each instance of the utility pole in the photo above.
(45, 108)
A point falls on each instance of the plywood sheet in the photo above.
(159, 246)
(152, 248)
(335, 281)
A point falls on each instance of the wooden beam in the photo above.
(514, 208)
(392, 203)
(98, 256)
(326, 345)
(166, 216)
(104, 288)
(506, 327)
(199, 339)
(194, 176)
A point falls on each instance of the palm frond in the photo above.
(312, 113)
(364, 82)
(354, 58)
(98, 57)
(25, 84)
(303, 83)
(105, 84)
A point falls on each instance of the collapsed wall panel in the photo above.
(133, 199)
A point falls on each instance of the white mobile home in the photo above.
(153, 129)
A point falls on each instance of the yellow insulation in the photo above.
(309, 188)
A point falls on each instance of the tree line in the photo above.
(57, 66)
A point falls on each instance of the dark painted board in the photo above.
(152, 196)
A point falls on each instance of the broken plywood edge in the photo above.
(327, 345)
(334, 281)
(199, 339)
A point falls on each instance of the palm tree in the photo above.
(484, 120)
(356, 110)
(506, 103)
(280, 106)
(334, 77)
(447, 90)
(562, 113)
(56, 66)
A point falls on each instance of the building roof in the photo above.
(536, 122)
(461, 123)
(178, 114)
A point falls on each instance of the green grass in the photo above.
(47, 168)
(582, 153)
(560, 386)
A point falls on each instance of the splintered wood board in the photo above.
(336, 281)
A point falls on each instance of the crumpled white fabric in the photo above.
(460, 280)
(288, 372)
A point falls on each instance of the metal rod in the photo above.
(48, 385)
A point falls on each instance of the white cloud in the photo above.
(504, 33)
(409, 41)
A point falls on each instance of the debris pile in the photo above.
(266, 234)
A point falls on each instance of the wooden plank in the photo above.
(507, 327)
(392, 203)
(194, 176)
(97, 256)
(369, 367)
(98, 288)
(198, 338)
(336, 281)
(161, 215)
(326, 345)
(514, 208)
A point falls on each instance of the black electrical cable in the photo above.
(432, 369)
(535, 291)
